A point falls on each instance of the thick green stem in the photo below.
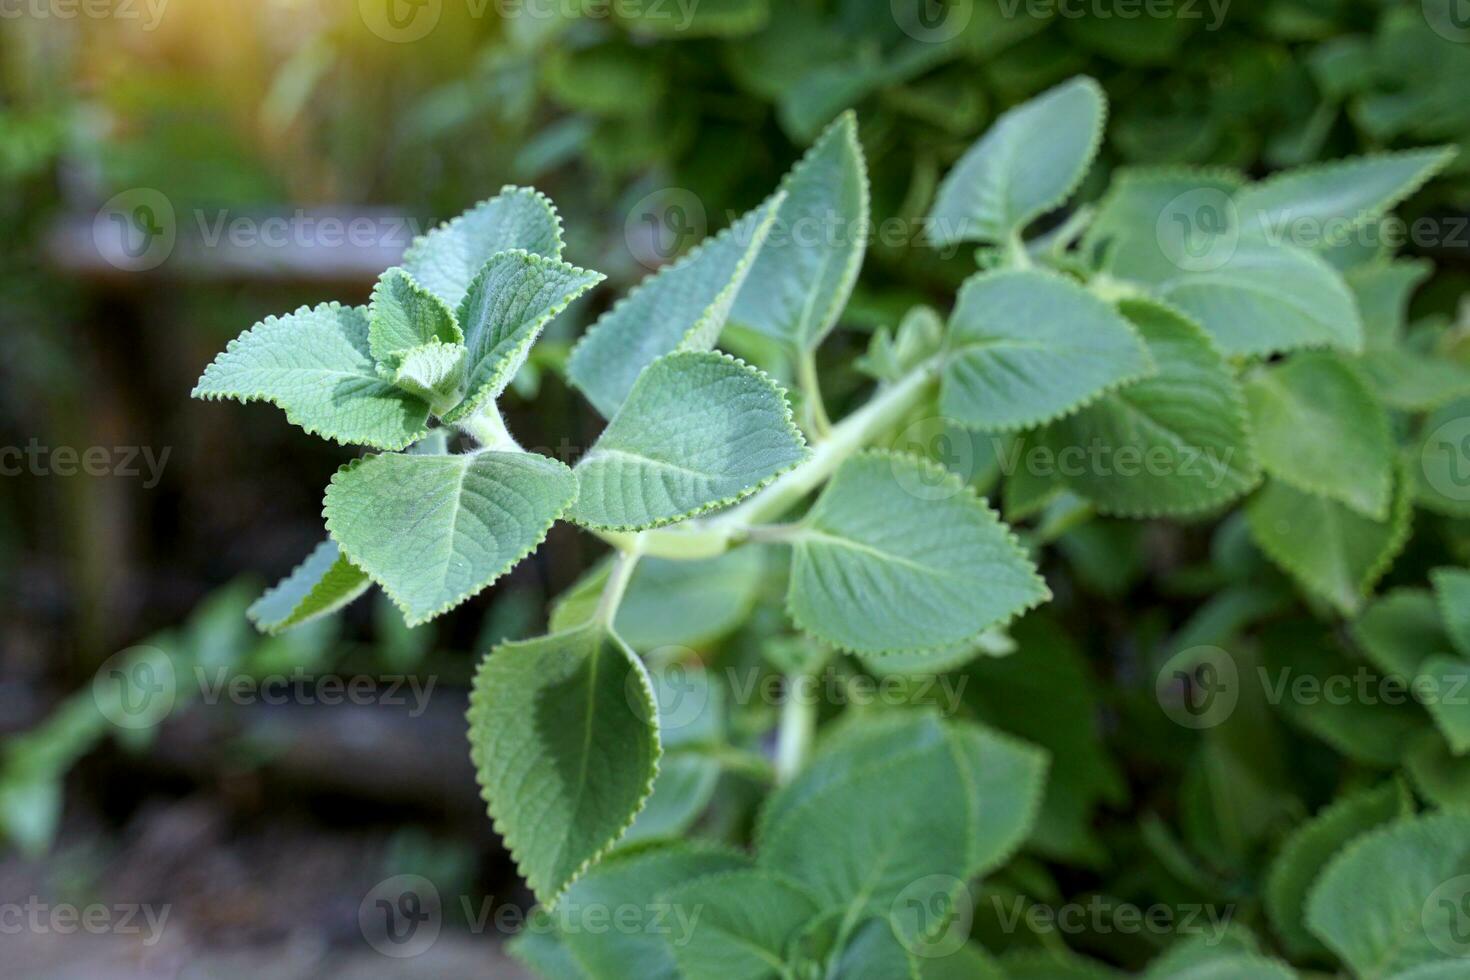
(488, 429)
(817, 424)
(794, 737)
(623, 564)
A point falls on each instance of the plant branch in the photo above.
(816, 421)
(624, 562)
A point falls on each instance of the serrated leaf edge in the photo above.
(277, 627)
(410, 253)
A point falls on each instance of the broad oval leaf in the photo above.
(448, 258)
(1173, 443)
(743, 923)
(682, 307)
(874, 572)
(316, 366)
(1319, 428)
(1399, 630)
(404, 315)
(322, 584)
(1452, 591)
(435, 530)
(1374, 905)
(1029, 162)
(1155, 222)
(698, 431)
(1026, 346)
(800, 281)
(564, 738)
(509, 302)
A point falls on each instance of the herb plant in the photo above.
(1178, 349)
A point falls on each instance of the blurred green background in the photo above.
(282, 152)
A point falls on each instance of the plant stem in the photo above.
(818, 425)
(794, 737)
(624, 562)
(488, 429)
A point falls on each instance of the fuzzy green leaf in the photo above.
(1452, 590)
(508, 304)
(698, 431)
(435, 530)
(316, 366)
(744, 921)
(1444, 687)
(1174, 443)
(433, 372)
(1375, 906)
(1382, 290)
(1319, 428)
(1335, 552)
(1027, 346)
(1306, 852)
(404, 315)
(800, 281)
(319, 586)
(682, 307)
(1155, 223)
(447, 259)
(1398, 630)
(564, 737)
(873, 572)
(1028, 163)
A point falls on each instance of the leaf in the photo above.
(1028, 163)
(1333, 551)
(1375, 906)
(1413, 382)
(1337, 196)
(1443, 686)
(508, 304)
(1008, 777)
(627, 881)
(1026, 347)
(698, 431)
(1440, 777)
(448, 258)
(876, 952)
(1154, 223)
(404, 316)
(872, 572)
(433, 372)
(1319, 428)
(1398, 630)
(315, 365)
(708, 18)
(799, 283)
(969, 962)
(673, 603)
(1054, 964)
(1452, 590)
(564, 738)
(1382, 290)
(1175, 443)
(682, 307)
(1311, 845)
(685, 785)
(1266, 299)
(435, 530)
(322, 584)
(744, 921)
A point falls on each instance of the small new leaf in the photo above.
(405, 316)
(698, 431)
(448, 258)
(322, 584)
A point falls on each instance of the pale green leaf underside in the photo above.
(1344, 193)
(876, 569)
(1307, 851)
(1452, 591)
(743, 923)
(315, 365)
(682, 307)
(1319, 428)
(564, 738)
(511, 300)
(319, 586)
(448, 258)
(1266, 299)
(1174, 443)
(1029, 162)
(800, 281)
(1027, 346)
(404, 315)
(1337, 553)
(1373, 905)
(698, 430)
(435, 530)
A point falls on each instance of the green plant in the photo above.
(1193, 342)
